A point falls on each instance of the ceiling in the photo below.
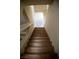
(36, 2)
(40, 8)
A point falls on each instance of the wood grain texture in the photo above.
(39, 46)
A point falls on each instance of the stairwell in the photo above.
(39, 46)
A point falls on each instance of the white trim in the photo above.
(25, 39)
(24, 26)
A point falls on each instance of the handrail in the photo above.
(24, 26)
(25, 34)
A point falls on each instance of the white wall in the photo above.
(29, 30)
(52, 24)
(23, 19)
(30, 13)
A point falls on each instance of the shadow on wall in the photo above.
(52, 24)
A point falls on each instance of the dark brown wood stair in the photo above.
(39, 46)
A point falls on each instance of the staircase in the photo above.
(39, 46)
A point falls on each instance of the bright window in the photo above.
(39, 19)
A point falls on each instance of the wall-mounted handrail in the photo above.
(25, 34)
(25, 26)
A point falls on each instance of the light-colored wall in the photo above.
(29, 30)
(52, 24)
(23, 19)
(30, 13)
(25, 39)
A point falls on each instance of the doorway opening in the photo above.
(39, 19)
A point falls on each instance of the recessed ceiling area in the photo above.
(38, 15)
(39, 18)
(40, 8)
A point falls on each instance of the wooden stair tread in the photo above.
(37, 35)
(36, 56)
(40, 40)
(39, 50)
(40, 44)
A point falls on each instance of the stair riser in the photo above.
(39, 46)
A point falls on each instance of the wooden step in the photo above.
(36, 56)
(39, 46)
(39, 50)
(39, 33)
(39, 37)
(39, 40)
(40, 43)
